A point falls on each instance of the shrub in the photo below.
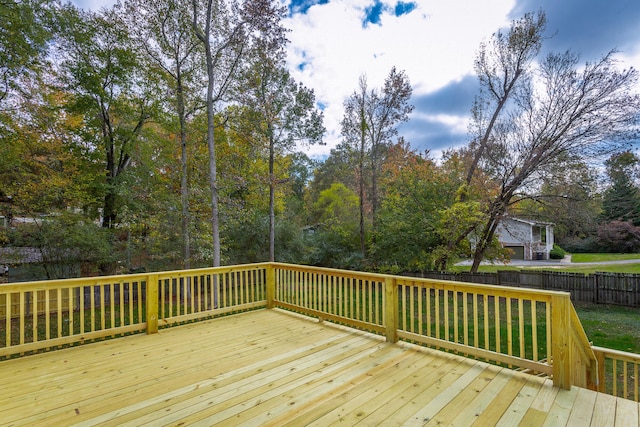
(619, 236)
(582, 246)
(557, 252)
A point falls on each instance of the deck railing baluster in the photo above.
(509, 328)
(34, 314)
(534, 330)
(521, 327)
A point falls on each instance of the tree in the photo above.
(621, 201)
(370, 122)
(226, 30)
(338, 167)
(566, 111)
(166, 36)
(40, 164)
(619, 236)
(285, 114)
(26, 28)
(502, 68)
(334, 238)
(416, 189)
(568, 196)
(70, 246)
(111, 92)
(354, 130)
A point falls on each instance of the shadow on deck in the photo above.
(270, 367)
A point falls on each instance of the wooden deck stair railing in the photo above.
(618, 372)
(534, 330)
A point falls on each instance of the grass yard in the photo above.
(603, 257)
(611, 326)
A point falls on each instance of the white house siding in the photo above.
(516, 233)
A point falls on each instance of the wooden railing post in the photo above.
(152, 304)
(271, 285)
(391, 309)
(561, 341)
(601, 372)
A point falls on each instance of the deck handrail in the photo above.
(618, 372)
(53, 313)
(484, 321)
(529, 329)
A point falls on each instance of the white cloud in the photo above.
(435, 44)
(93, 4)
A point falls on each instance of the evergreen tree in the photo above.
(621, 201)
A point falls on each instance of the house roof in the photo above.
(527, 221)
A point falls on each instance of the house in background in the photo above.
(529, 240)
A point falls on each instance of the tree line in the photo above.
(164, 134)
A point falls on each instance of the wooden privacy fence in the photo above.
(599, 288)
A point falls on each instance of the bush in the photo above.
(582, 246)
(557, 252)
(619, 236)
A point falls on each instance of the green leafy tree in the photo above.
(71, 246)
(41, 167)
(285, 115)
(27, 26)
(621, 200)
(411, 215)
(567, 194)
(111, 91)
(369, 124)
(334, 240)
(338, 167)
(226, 30)
(166, 36)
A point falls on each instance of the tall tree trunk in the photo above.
(482, 144)
(213, 174)
(109, 209)
(485, 239)
(361, 187)
(374, 187)
(272, 210)
(184, 186)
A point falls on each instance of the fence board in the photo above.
(599, 288)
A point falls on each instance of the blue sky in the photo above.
(435, 43)
(333, 42)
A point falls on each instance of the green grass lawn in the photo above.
(611, 326)
(603, 257)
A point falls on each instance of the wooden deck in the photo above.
(269, 367)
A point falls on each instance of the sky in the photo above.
(334, 42)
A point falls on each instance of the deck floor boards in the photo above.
(273, 368)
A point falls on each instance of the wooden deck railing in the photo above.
(618, 372)
(46, 314)
(533, 330)
(528, 329)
